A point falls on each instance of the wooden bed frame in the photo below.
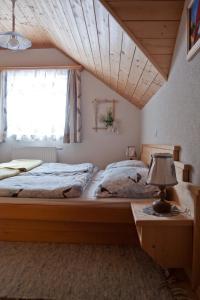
(97, 221)
(90, 221)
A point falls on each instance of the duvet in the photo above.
(50, 180)
(125, 182)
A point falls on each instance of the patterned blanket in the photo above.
(51, 180)
(61, 169)
(125, 182)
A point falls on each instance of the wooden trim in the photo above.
(71, 67)
(68, 211)
(136, 40)
(148, 149)
(74, 222)
(182, 171)
(68, 232)
(163, 146)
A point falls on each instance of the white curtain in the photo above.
(3, 107)
(36, 104)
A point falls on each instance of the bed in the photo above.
(84, 219)
(90, 220)
(122, 179)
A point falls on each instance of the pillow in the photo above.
(22, 165)
(126, 163)
(126, 182)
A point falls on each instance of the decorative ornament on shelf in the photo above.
(13, 40)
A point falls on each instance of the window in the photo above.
(36, 101)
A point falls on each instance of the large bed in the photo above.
(88, 219)
(83, 219)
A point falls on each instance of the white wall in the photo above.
(175, 110)
(34, 57)
(98, 147)
(102, 147)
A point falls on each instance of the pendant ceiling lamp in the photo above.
(13, 40)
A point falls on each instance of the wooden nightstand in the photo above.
(168, 240)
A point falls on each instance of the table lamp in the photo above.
(162, 173)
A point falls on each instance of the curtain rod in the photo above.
(71, 67)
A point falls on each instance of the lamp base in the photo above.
(161, 206)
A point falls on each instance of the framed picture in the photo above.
(131, 152)
(193, 28)
(104, 114)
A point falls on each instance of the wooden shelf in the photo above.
(168, 240)
(141, 218)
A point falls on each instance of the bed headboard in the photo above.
(149, 149)
(182, 170)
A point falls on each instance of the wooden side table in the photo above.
(168, 240)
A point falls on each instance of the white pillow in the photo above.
(127, 163)
(126, 182)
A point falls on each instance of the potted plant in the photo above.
(108, 119)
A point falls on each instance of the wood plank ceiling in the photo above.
(88, 32)
(153, 22)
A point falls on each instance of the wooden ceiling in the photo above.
(96, 37)
(153, 22)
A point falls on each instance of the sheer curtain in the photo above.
(36, 103)
(3, 107)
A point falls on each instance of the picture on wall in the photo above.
(193, 26)
(105, 115)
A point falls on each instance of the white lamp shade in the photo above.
(162, 170)
(14, 41)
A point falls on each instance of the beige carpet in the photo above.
(79, 272)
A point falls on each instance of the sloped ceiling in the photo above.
(88, 32)
(153, 22)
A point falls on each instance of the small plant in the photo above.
(108, 119)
